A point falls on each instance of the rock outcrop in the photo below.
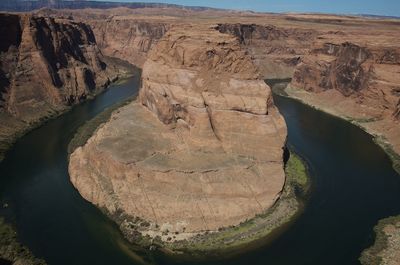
(46, 65)
(354, 81)
(201, 149)
(275, 50)
(128, 39)
(386, 249)
(11, 251)
(30, 5)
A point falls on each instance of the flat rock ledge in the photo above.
(200, 150)
(386, 249)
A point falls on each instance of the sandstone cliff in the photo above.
(30, 5)
(46, 65)
(200, 150)
(356, 81)
(275, 50)
(128, 39)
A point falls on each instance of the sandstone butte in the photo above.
(201, 148)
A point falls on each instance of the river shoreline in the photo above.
(386, 246)
(254, 232)
(21, 128)
(384, 243)
(11, 251)
(10, 248)
(380, 140)
(249, 234)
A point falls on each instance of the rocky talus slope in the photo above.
(201, 149)
(46, 65)
(356, 81)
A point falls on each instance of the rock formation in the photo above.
(355, 81)
(386, 249)
(11, 251)
(201, 149)
(30, 5)
(46, 65)
(275, 50)
(128, 39)
(118, 33)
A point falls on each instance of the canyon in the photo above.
(357, 78)
(46, 66)
(201, 149)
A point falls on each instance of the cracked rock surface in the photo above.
(200, 149)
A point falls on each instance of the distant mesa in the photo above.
(25, 6)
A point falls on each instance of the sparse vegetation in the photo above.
(394, 157)
(11, 251)
(248, 234)
(371, 256)
(87, 130)
(262, 227)
(378, 139)
(297, 172)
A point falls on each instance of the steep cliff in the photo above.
(128, 39)
(120, 32)
(46, 65)
(186, 158)
(355, 81)
(275, 50)
(29, 5)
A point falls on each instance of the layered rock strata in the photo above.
(359, 82)
(119, 33)
(201, 149)
(128, 39)
(275, 50)
(46, 65)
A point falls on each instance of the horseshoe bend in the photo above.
(147, 133)
(201, 149)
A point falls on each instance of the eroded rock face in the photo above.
(346, 70)
(275, 50)
(46, 65)
(200, 150)
(357, 82)
(128, 39)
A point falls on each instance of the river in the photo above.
(353, 187)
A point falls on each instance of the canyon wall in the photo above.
(275, 50)
(119, 33)
(46, 65)
(28, 5)
(357, 81)
(201, 149)
(128, 39)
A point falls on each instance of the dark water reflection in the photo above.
(354, 186)
(49, 214)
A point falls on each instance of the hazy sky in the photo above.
(378, 7)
